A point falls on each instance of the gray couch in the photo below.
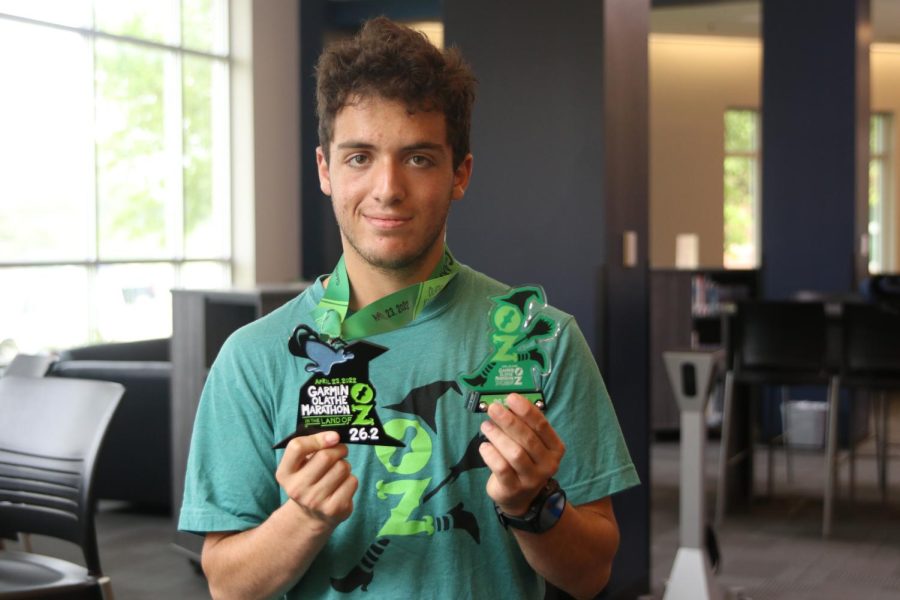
(135, 462)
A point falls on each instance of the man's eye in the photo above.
(357, 160)
(420, 160)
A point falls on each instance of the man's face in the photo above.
(391, 180)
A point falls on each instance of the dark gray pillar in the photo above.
(815, 145)
(320, 238)
(624, 338)
(560, 144)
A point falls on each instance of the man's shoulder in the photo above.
(531, 295)
(477, 281)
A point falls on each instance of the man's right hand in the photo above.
(316, 477)
(269, 559)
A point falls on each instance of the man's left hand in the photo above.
(523, 454)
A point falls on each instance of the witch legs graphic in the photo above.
(363, 572)
(421, 402)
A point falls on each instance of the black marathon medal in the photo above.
(339, 395)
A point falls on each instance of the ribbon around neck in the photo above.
(385, 314)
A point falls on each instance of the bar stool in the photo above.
(776, 343)
(870, 358)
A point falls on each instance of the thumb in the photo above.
(319, 441)
(299, 448)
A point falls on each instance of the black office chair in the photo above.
(50, 433)
(776, 343)
(870, 358)
(29, 365)
(26, 365)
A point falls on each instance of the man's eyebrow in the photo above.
(355, 144)
(360, 145)
(424, 146)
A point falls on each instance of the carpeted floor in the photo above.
(776, 551)
(135, 552)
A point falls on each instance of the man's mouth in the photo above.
(387, 221)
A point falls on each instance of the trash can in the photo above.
(804, 423)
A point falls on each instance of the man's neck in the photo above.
(369, 283)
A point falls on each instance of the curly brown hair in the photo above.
(392, 61)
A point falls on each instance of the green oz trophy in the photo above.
(517, 361)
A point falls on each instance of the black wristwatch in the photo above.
(544, 512)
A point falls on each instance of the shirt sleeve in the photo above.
(230, 480)
(596, 463)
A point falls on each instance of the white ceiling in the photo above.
(744, 19)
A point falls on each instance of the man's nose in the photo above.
(389, 186)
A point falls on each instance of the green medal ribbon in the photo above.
(385, 314)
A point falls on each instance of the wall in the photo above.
(265, 141)
(693, 80)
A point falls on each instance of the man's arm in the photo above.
(270, 558)
(576, 554)
(523, 454)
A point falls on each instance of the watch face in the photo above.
(543, 514)
(552, 510)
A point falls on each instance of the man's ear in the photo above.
(324, 175)
(461, 177)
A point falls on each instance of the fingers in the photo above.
(519, 427)
(498, 464)
(513, 436)
(523, 453)
(300, 448)
(316, 477)
(331, 497)
(535, 419)
(342, 498)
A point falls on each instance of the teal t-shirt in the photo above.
(423, 525)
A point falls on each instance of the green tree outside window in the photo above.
(741, 188)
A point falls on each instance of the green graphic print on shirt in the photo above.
(409, 493)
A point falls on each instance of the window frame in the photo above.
(176, 200)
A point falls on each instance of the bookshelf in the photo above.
(688, 309)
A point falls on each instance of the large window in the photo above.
(881, 206)
(115, 159)
(741, 189)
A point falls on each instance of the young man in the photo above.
(439, 500)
